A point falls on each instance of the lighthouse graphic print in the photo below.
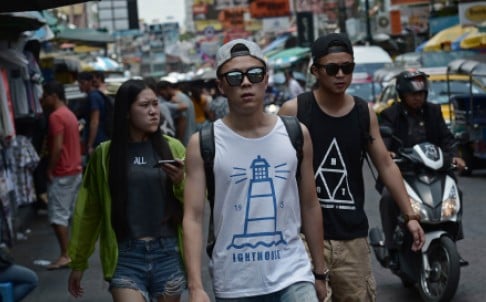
(332, 180)
(260, 224)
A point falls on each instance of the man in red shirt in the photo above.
(64, 168)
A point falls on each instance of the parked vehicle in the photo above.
(434, 195)
(370, 58)
(431, 59)
(469, 120)
(363, 86)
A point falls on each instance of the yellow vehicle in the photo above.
(469, 121)
(440, 90)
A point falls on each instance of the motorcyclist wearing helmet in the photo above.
(413, 120)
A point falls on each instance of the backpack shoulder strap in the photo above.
(364, 122)
(364, 125)
(304, 107)
(207, 147)
(208, 150)
(294, 131)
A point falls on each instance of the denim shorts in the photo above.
(153, 267)
(297, 292)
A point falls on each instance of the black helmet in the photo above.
(412, 81)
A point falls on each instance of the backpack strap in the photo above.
(207, 147)
(292, 125)
(364, 125)
(304, 107)
(364, 122)
(208, 150)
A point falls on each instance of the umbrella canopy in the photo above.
(15, 23)
(448, 38)
(475, 40)
(102, 64)
(277, 44)
(25, 5)
(288, 56)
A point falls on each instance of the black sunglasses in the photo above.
(332, 69)
(235, 77)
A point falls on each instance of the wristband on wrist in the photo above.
(324, 276)
(408, 217)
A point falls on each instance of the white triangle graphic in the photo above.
(332, 180)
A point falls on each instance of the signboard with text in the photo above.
(305, 29)
(473, 13)
(409, 2)
(269, 8)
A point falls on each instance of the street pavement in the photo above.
(41, 244)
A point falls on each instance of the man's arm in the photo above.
(289, 108)
(447, 142)
(94, 121)
(392, 178)
(194, 200)
(55, 153)
(312, 226)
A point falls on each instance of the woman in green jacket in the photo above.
(132, 204)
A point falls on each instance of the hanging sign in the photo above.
(269, 8)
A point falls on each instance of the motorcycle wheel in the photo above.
(442, 281)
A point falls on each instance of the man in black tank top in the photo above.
(334, 120)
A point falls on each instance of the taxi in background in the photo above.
(439, 91)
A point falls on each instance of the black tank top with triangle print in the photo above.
(337, 143)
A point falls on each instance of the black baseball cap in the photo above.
(331, 43)
(85, 76)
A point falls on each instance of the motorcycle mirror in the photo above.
(386, 131)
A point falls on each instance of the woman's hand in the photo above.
(175, 171)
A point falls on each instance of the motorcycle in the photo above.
(435, 196)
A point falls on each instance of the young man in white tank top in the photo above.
(260, 207)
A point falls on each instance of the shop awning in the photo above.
(85, 36)
(26, 5)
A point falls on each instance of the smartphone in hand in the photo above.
(167, 161)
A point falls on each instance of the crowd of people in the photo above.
(280, 233)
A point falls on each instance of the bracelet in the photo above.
(408, 217)
(324, 276)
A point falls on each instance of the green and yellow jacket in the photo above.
(92, 213)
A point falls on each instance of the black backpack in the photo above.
(207, 148)
(109, 112)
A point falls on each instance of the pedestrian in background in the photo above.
(99, 81)
(95, 115)
(218, 107)
(258, 253)
(132, 204)
(339, 138)
(64, 165)
(293, 87)
(185, 122)
(23, 279)
(200, 99)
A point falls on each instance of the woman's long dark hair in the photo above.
(118, 179)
